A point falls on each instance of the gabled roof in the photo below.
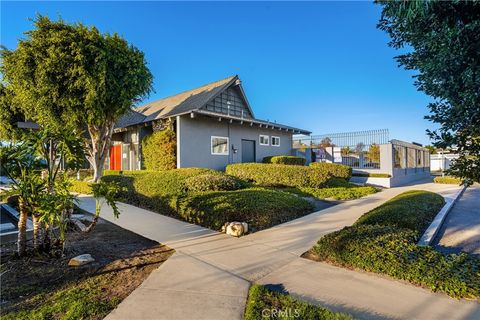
(192, 101)
(181, 103)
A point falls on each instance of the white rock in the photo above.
(80, 260)
(235, 229)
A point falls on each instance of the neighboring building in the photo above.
(369, 153)
(442, 161)
(214, 126)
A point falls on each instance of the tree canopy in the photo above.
(72, 75)
(440, 40)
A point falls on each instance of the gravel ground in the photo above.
(461, 229)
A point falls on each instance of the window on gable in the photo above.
(275, 141)
(264, 140)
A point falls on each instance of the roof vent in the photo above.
(238, 82)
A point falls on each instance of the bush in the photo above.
(447, 180)
(371, 175)
(336, 170)
(279, 175)
(159, 150)
(83, 187)
(213, 182)
(290, 160)
(155, 190)
(260, 208)
(261, 299)
(340, 193)
(384, 241)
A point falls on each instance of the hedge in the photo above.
(279, 175)
(263, 303)
(260, 208)
(82, 187)
(371, 175)
(159, 150)
(213, 182)
(340, 193)
(384, 241)
(290, 160)
(337, 170)
(447, 180)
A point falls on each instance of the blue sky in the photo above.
(321, 66)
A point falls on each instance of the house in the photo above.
(214, 125)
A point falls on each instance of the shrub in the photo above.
(260, 208)
(290, 160)
(340, 193)
(159, 150)
(213, 182)
(261, 299)
(336, 170)
(371, 175)
(279, 175)
(83, 187)
(384, 241)
(447, 180)
(155, 190)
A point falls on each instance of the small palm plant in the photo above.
(104, 192)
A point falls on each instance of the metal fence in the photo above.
(359, 149)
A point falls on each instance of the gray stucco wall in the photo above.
(194, 142)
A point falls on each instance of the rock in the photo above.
(235, 229)
(80, 260)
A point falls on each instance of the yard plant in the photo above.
(448, 180)
(336, 170)
(384, 241)
(263, 303)
(291, 160)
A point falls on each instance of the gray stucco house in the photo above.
(214, 126)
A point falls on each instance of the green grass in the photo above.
(80, 301)
(266, 304)
(447, 180)
(384, 241)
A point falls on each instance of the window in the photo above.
(264, 140)
(275, 141)
(399, 156)
(219, 145)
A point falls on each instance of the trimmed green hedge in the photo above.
(266, 304)
(279, 174)
(384, 241)
(336, 170)
(213, 182)
(290, 160)
(371, 175)
(447, 180)
(83, 187)
(167, 193)
(260, 208)
(340, 193)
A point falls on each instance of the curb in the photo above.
(432, 230)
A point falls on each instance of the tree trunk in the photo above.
(22, 228)
(98, 147)
(46, 238)
(37, 228)
(95, 218)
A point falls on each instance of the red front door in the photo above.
(116, 157)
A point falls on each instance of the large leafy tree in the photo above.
(441, 42)
(69, 75)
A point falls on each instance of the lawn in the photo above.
(384, 241)
(39, 287)
(263, 303)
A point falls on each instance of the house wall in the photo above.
(194, 142)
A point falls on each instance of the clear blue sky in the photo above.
(322, 66)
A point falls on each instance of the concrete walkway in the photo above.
(209, 275)
(461, 228)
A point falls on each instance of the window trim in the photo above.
(219, 154)
(276, 145)
(260, 140)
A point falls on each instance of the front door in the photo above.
(248, 151)
(116, 157)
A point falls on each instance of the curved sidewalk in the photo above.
(209, 275)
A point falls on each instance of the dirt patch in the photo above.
(123, 260)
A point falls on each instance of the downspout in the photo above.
(177, 125)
